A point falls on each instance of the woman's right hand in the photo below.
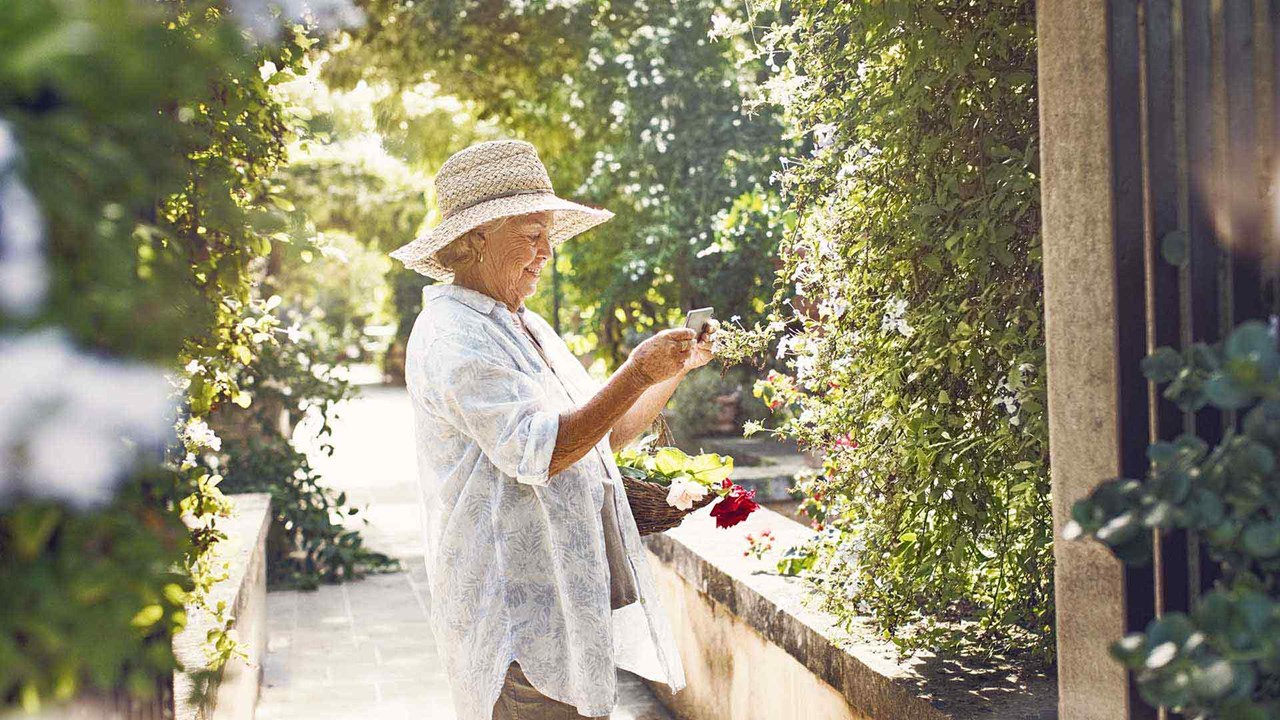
(663, 355)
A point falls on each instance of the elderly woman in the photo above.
(538, 584)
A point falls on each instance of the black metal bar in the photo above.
(1205, 258)
(1243, 172)
(1173, 588)
(1130, 291)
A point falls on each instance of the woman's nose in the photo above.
(543, 246)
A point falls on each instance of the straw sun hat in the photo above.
(487, 181)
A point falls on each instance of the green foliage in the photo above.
(1223, 659)
(663, 465)
(914, 336)
(91, 600)
(307, 543)
(634, 108)
(151, 141)
(695, 409)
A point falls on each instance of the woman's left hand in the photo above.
(701, 353)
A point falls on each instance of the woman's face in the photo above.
(515, 256)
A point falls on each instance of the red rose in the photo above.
(734, 507)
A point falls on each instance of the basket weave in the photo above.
(648, 500)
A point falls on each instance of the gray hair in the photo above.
(468, 247)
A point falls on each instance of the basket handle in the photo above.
(662, 429)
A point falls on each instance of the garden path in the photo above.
(363, 649)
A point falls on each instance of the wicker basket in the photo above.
(648, 500)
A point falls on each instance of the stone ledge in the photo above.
(861, 672)
(235, 691)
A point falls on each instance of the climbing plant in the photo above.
(138, 146)
(909, 314)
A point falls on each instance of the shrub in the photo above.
(1221, 660)
(910, 313)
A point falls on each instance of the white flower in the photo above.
(723, 26)
(782, 346)
(23, 275)
(684, 492)
(198, 433)
(258, 19)
(893, 320)
(824, 136)
(193, 368)
(70, 424)
(833, 307)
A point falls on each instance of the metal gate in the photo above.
(1195, 133)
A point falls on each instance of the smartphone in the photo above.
(697, 319)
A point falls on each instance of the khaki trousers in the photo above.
(520, 700)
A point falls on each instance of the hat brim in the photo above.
(568, 219)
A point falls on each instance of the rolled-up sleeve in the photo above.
(477, 388)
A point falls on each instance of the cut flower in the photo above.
(734, 506)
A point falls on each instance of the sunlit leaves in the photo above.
(1221, 660)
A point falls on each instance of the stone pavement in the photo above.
(363, 650)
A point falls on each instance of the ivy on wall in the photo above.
(149, 140)
(910, 315)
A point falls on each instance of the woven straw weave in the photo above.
(487, 181)
(648, 500)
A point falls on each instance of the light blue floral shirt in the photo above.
(515, 558)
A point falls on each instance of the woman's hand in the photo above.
(701, 354)
(663, 356)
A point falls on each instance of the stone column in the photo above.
(1079, 270)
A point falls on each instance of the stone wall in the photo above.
(753, 650)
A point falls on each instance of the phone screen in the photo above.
(697, 319)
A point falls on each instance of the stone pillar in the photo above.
(1079, 270)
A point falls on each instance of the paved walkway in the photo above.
(363, 650)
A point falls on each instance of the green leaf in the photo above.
(1261, 539)
(147, 616)
(1174, 247)
(710, 468)
(1223, 392)
(670, 460)
(1163, 365)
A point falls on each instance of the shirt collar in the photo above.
(471, 297)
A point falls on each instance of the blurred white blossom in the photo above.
(23, 275)
(1010, 391)
(262, 19)
(723, 26)
(71, 423)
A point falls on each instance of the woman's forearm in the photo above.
(582, 427)
(640, 416)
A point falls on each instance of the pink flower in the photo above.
(847, 441)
